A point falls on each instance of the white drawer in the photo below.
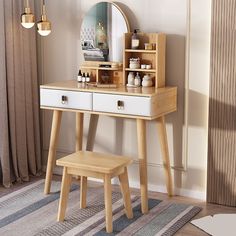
(66, 99)
(130, 105)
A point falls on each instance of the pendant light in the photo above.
(44, 26)
(27, 18)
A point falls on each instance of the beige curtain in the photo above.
(20, 153)
(221, 176)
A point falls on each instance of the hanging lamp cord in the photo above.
(43, 8)
(27, 3)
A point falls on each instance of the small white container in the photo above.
(147, 81)
(131, 78)
(134, 65)
(143, 66)
(148, 67)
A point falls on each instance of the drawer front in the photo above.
(66, 99)
(130, 105)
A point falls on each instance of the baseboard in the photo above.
(151, 187)
(177, 191)
(191, 193)
(56, 171)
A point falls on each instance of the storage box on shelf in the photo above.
(154, 57)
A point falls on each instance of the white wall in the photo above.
(188, 69)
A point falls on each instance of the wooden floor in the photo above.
(187, 230)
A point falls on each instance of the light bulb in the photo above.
(44, 28)
(27, 25)
(27, 19)
(44, 32)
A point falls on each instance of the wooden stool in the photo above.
(96, 165)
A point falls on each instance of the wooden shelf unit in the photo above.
(115, 73)
(155, 57)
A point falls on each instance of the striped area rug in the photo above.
(28, 212)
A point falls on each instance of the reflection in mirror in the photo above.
(102, 33)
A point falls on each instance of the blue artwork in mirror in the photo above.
(102, 33)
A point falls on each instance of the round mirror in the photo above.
(102, 33)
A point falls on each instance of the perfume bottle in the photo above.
(134, 40)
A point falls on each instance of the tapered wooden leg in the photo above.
(83, 191)
(79, 131)
(92, 131)
(108, 203)
(124, 184)
(65, 189)
(141, 133)
(56, 122)
(165, 153)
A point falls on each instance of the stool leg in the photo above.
(65, 189)
(124, 184)
(83, 191)
(108, 202)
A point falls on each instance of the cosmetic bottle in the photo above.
(83, 78)
(137, 80)
(134, 40)
(88, 78)
(79, 77)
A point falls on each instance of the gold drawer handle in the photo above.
(120, 105)
(64, 99)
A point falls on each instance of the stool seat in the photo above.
(94, 161)
(97, 165)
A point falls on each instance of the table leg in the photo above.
(56, 122)
(79, 147)
(165, 153)
(79, 131)
(141, 133)
(92, 131)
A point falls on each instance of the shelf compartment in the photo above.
(115, 77)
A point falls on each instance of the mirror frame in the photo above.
(126, 21)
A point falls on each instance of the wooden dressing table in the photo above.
(141, 103)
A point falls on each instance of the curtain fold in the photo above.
(20, 150)
(221, 173)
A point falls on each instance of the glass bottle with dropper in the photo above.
(83, 78)
(79, 77)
